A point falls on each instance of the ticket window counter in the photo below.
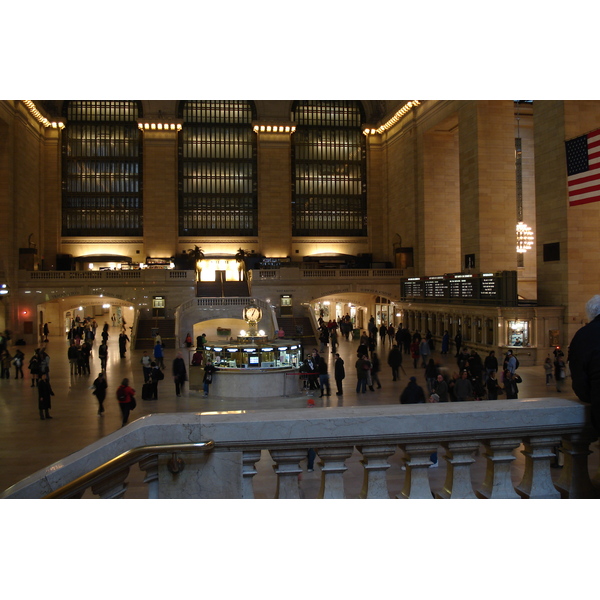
(518, 333)
(252, 357)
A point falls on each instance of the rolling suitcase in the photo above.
(147, 391)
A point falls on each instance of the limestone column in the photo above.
(160, 176)
(488, 206)
(275, 192)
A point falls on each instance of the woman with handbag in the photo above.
(126, 399)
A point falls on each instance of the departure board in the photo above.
(499, 288)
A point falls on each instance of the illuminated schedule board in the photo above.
(498, 289)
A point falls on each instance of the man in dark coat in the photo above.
(395, 361)
(179, 373)
(413, 393)
(44, 396)
(584, 361)
(339, 373)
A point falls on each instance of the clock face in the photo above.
(253, 313)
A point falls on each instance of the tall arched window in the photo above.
(328, 167)
(102, 168)
(217, 168)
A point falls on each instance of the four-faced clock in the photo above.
(253, 314)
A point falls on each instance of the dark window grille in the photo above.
(329, 188)
(217, 169)
(102, 169)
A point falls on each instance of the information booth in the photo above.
(251, 367)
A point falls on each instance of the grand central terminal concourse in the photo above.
(225, 261)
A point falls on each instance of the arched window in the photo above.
(328, 169)
(217, 168)
(102, 168)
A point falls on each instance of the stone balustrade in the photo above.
(462, 430)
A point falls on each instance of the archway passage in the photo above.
(60, 315)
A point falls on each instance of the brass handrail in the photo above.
(127, 458)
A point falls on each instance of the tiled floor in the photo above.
(28, 443)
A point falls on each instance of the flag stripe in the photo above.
(583, 160)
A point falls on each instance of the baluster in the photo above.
(287, 468)
(537, 479)
(498, 483)
(458, 484)
(375, 463)
(150, 466)
(249, 460)
(113, 485)
(574, 481)
(333, 466)
(416, 482)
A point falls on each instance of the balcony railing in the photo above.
(293, 273)
(501, 428)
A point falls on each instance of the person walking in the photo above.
(34, 367)
(146, 365)
(156, 375)
(100, 385)
(510, 385)
(159, 355)
(324, 378)
(375, 368)
(123, 339)
(339, 374)
(441, 388)
(463, 388)
(103, 355)
(126, 399)
(548, 370)
(560, 370)
(209, 371)
(395, 361)
(17, 360)
(45, 393)
(413, 393)
(362, 366)
(414, 352)
(492, 386)
(180, 373)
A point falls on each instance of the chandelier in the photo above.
(524, 237)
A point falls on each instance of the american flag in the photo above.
(583, 168)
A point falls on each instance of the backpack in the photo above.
(121, 396)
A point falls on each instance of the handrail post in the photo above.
(416, 482)
(150, 466)
(574, 481)
(287, 468)
(375, 465)
(333, 466)
(249, 460)
(537, 479)
(498, 483)
(113, 485)
(459, 456)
